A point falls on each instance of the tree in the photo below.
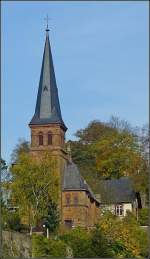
(143, 134)
(117, 155)
(124, 236)
(85, 160)
(11, 220)
(94, 132)
(51, 221)
(120, 125)
(111, 149)
(141, 178)
(81, 149)
(5, 175)
(5, 182)
(22, 147)
(34, 183)
(3, 164)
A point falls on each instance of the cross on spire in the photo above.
(47, 19)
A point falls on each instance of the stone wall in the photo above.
(58, 137)
(85, 213)
(16, 245)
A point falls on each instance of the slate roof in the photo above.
(116, 191)
(72, 180)
(47, 105)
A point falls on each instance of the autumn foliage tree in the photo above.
(22, 147)
(117, 155)
(113, 149)
(125, 237)
(34, 183)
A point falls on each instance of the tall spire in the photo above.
(47, 109)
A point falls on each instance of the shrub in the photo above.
(144, 217)
(100, 244)
(12, 221)
(43, 247)
(80, 242)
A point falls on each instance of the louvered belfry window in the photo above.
(40, 139)
(49, 138)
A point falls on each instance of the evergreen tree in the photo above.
(51, 221)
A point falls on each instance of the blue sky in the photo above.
(100, 54)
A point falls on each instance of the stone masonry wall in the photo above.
(16, 245)
(84, 213)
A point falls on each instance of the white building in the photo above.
(118, 196)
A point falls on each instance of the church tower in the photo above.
(76, 203)
(47, 126)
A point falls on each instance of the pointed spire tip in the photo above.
(47, 19)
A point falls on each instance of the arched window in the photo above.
(40, 139)
(49, 138)
(67, 199)
(76, 199)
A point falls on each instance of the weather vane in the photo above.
(47, 19)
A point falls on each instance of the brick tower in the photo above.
(47, 126)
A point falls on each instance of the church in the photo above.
(77, 204)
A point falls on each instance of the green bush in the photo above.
(87, 244)
(143, 241)
(43, 247)
(112, 237)
(79, 241)
(100, 244)
(12, 221)
(144, 217)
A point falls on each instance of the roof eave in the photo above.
(62, 125)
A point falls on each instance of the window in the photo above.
(75, 200)
(40, 139)
(119, 210)
(49, 138)
(67, 199)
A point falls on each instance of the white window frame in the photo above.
(119, 210)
